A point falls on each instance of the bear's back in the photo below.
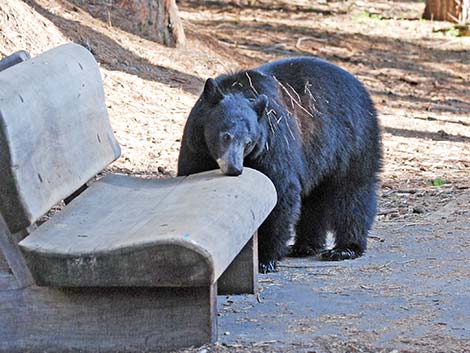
(331, 107)
(304, 66)
(324, 78)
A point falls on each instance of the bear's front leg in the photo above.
(276, 230)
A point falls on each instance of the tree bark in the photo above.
(448, 10)
(156, 19)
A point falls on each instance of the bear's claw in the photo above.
(302, 251)
(269, 267)
(338, 254)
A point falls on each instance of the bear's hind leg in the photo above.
(312, 227)
(352, 216)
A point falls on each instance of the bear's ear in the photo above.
(259, 106)
(212, 92)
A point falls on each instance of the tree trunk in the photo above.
(155, 19)
(448, 10)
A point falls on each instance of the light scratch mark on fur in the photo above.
(251, 84)
(290, 131)
(292, 98)
(270, 123)
(272, 111)
(293, 90)
(313, 100)
(307, 89)
(287, 141)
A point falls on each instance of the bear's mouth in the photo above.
(222, 165)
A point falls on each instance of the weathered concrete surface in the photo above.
(411, 293)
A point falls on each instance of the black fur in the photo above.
(311, 127)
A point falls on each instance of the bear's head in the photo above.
(232, 128)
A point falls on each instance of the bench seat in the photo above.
(129, 231)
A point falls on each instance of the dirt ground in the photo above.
(418, 73)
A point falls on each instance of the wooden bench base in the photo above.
(38, 319)
(241, 275)
(120, 319)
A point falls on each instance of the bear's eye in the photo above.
(226, 137)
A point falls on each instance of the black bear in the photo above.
(312, 128)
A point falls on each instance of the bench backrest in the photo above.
(54, 132)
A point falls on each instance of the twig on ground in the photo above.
(303, 39)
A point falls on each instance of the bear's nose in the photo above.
(233, 171)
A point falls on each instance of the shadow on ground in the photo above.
(426, 135)
(113, 56)
(404, 68)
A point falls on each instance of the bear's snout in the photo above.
(233, 171)
(229, 169)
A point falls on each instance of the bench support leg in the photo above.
(36, 319)
(241, 276)
(10, 251)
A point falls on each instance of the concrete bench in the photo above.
(129, 264)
